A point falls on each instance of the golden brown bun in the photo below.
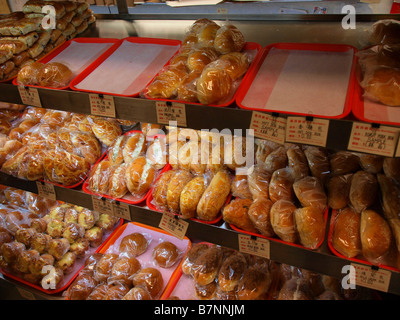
(236, 213)
(343, 162)
(123, 269)
(258, 179)
(371, 163)
(310, 192)
(260, 215)
(198, 59)
(139, 175)
(206, 35)
(214, 197)
(107, 131)
(229, 39)
(198, 24)
(175, 187)
(282, 220)
(231, 271)
(346, 233)
(376, 235)
(104, 266)
(281, 185)
(28, 75)
(54, 75)
(310, 225)
(318, 162)
(277, 159)
(190, 197)
(235, 63)
(206, 266)
(116, 291)
(82, 287)
(363, 190)
(385, 32)
(99, 292)
(166, 254)
(254, 284)
(297, 162)
(206, 292)
(166, 84)
(134, 146)
(382, 85)
(194, 252)
(150, 279)
(240, 187)
(58, 247)
(160, 189)
(390, 196)
(187, 89)
(137, 293)
(114, 153)
(11, 250)
(133, 245)
(338, 190)
(95, 236)
(100, 177)
(295, 289)
(213, 86)
(117, 184)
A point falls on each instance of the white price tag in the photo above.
(171, 111)
(121, 210)
(102, 105)
(268, 127)
(366, 276)
(102, 205)
(175, 226)
(257, 246)
(313, 132)
(380, 140)
(46, 190)
(29, 96)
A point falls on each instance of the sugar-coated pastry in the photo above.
(236, 213)
(166, 254)
(133, 245)
(150, 279)
(206, 266)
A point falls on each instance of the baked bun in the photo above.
(137, 293)
(123, 269)
(385, 32)
(295, 289)
(187, 90)
(117, 184)
(29, 74)
(198, 59)
(99, 292)
(82, 287)
(150, 279)
(206, 35)
(231, 271)
(139, 175)
(104, 266)
(194, 252)
(114, 153)
(54, 75)
(133, 245)
(260, 215)
(240, 187)
(281, 185)
(166, 254)
(206, 266)
(160, 189)
(175, 187)
(206, 292)
(106, 130)
(100, 177)
(190, 196)
(310, 192)
(200, 23)
(343, 162)
(346, 233)
(254, 284)
(258, 179)
(58, 247)
(363, 190)
(134, 146)
(214, 85)
(282, 220)
(228, 39)
(236, 213)
(310, 225)
(166, 84)
(235, 63)
(318, 162)
(157, 153)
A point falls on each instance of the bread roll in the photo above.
(104, 266)
(166, 254)
(150, 279)
(166, 84)
(133, 245)
(206, 292)
(28, 75)
(107, 131)
(390, 193)
(310, 192)
(295, 289)
(363, 190)
(381, 85)
(199, 23)
(134, 146)
(282, 220)
(281, 185)
(117, 184)
(82, 287)
(123, 269)
(264, 148)
(160, 189)
(236, 213)
(258, 179)
(371, 163)
(277, 159)
(206, 35)
(139, 175)
(100, 177)
(338, 190)
(198, 59)
(254, 284)
(260, 215)
(54, 75)
(231, 271)
(187, 90)
(157, 153)
(346, 233)
(235, 151)
(385, 32)
(310, 225)
(205, 268)
(175, 187)
(391, 168)
(343, 162)
(229, 39)
(240, 187)
(376, 235)
(297, 161)
(214, 197)
(137, 293)
(194, 252)
(190, 197)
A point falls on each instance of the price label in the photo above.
(121, 210)
(258, 246)
(46, 190)
(366, 276)
(301, 130)
(102, 205)
(102, 105)
(171, 111)
(29, 96)
(380, 140)
(173, 225)
(268, 127)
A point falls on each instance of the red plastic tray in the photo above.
(175, 271)
(356, 259)
(69, 278)
(149, 203)
(98, 62)
(86, 189)
(300, 46)
(249, 46)
(279, 240)
(51, 55)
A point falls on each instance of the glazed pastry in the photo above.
(260, 215)
(134, 146)
(133, 245)
(310, 225)
(88, 218)
(117, 184)
(175, 187)
(214, 197)
(67, 262)
(194, 252)
(106, 222)
(40, 242)
(160, 189)
(282, 220)
(107, 131)
(139, 175)
(281, 185)
(165, 254)
(206, 266)
(95, 236)
(190, 197)
(346, 233)
(231, 271)
(150, 279)
(25, 259)
(11, 250)
(363, 190)
(310, 192)
(338, 190)
(25, 235)
(58, 247)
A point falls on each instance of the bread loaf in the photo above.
(310, 225)
(175, 187)
(297, 161)
(282, 220)
(260, 215)
(190, 196)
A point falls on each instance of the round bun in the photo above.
(133, 245)
(229, 39)
(235, 64)
(166, 254)
(134, 146)
(104, 266)
(54, 75)
(123, 269)
(199, 58)
(137, 293)
(385, 32)
(139, 175)
(205, 268)
(28, 75)
(206, 292)
(150, 279)
(383, 85)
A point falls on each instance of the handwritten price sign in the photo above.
(268, 127)
(171, 111)
(301, 130)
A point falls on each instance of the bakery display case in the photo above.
(330, 117)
